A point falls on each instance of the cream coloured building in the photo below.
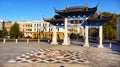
(29, 28)
(26, 28)
(7, 25)
(35, 29)
(41, 26)
(76, 30)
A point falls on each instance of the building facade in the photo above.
(76, 30)
(41, 29)
(26, 29)
(7, 25)
(41, 26)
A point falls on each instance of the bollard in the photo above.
(110, 45)
(4, 40)
(27, 40)
(48, 41)
(61, 66)
(16, 40)
(38, 40)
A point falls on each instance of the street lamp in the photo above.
(3, 28)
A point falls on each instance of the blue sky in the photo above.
(29, 10)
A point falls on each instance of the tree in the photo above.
(15, 31)
(5, 32)
(109, 29)
(94, 32)
(1, 34)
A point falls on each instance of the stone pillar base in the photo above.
(65, 43)
(100, 46)
(86, 45)
(53, 43)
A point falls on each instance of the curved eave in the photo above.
(48, 19)
(54, 21)
(76, 10)
(99, 20)
(107, 17)
(93, 9)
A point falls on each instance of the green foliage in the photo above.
(15, 31)
(109, 29)
(5, 32)
(94, 32)
(1, 34)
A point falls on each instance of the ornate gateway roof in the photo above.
(57, 19)
(90, 15)
(77, 11)
(98, 19)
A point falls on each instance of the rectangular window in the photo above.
(49, 29)
(43, 25)
(39, 24)
(49, 25)
(46, 24)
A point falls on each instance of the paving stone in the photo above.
(52, 56)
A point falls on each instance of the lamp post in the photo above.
(3, 28)
(38, 36)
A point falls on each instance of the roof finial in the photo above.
(86, 5)
(43, 17)
(113, 14)
(67, 6)
(54, 8)
(97, 5)
(100, 13)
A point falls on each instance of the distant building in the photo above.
(26, 28)
(118, 30)
(76, 30)
(7, 25)
(31, 29)
(38, 27)
(41, 26)
(41, 29)
(1, 24)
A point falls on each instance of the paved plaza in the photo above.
(43, 54)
